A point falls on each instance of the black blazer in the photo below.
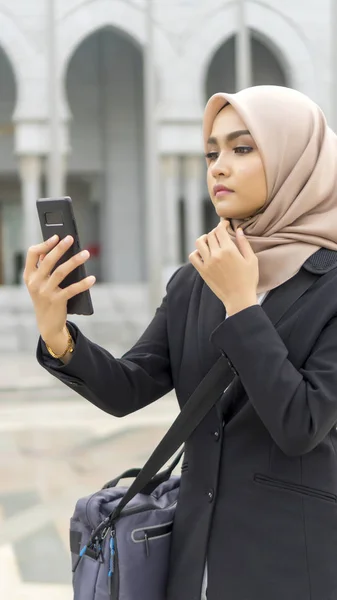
(258, 493)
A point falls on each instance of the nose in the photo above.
(221, 166)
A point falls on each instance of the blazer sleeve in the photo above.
(298, 407)
(117, 386)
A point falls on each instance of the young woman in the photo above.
(258, 498)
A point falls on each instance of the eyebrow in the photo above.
(230, 137)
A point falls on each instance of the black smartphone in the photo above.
(57, 217)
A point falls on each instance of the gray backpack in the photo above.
(122, 553)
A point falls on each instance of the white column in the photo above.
(171, 184)
(193, 174)
(56, 181)
(56, 159)
(243, 52)
(152, 206)
(30, 173)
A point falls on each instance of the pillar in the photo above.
(30, 174)
(171, 193)
(193, 187)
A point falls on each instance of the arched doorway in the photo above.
(104, 86)
(266, 66)
(10, 205)
(267, 70)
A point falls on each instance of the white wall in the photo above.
(106, 132)
(186, 36)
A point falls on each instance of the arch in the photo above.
(79, 23)
(120, 33)
(266, 67)
(104, 87)
(275, 51)
(289, 45)
(20, 54)
(91, 70)
(8, 98)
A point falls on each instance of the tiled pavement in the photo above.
(54, 448)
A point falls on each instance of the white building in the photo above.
(100, 92)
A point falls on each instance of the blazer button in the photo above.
(210, 495)
(216, 435)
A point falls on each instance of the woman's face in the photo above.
(235, 177)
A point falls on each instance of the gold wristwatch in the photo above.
(69, 348)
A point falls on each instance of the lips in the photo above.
(221, 189)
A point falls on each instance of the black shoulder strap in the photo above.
(200, 403)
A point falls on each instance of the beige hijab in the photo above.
(299, 153)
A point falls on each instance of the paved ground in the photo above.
(54, 448)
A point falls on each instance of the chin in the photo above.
(228, 213)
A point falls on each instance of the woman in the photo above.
(258, 497)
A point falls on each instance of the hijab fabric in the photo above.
(299, 154)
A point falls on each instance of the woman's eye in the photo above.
(212, 156)
(243, 149)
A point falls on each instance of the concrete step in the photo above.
(121, 315)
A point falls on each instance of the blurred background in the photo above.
(102, 100)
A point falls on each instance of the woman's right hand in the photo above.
(49, 299)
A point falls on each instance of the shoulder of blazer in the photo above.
(184, 276)
(321, 262)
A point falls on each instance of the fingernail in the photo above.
(67, 239)
(53, 238)
(240, 231)
(92, 279)
(85, 254)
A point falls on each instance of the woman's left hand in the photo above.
(231, 271)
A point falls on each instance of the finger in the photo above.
(213, 242)
(221, 232)
(70, 265)
(35, 251)
(77, 288)
(243, 244)
(196, 260)
(54, 256)
(41, 258)
(202, 247)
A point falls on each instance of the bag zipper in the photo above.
(125, 512)
(140, 508)
(88, 548)
(113, 574)
(150, 533)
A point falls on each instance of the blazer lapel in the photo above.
(211, 313)
(281, 299)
